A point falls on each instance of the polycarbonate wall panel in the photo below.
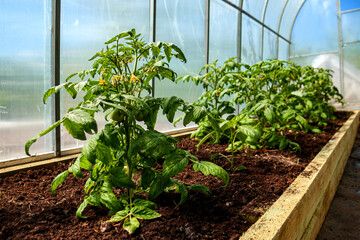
(182, 23)
(283, 50)
(24, 76)
(350, 26)
(254, 7)
(224, 33)
(288, 17)
(315, 29)
(86, 25)
(250, 47)
(269, 48)
(352, 74)
(273, 12)
(349, 4)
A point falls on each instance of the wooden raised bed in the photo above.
(301, 210)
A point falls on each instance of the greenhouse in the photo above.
(179, 119)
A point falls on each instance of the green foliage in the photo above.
(279, 96)
(125, 148)
(215, 102)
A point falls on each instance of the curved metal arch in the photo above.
(278, 29)
(262, 29)
(292, 25)
(239, 33)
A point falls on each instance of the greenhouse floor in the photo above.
(343, 219)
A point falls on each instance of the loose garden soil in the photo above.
(29, 211)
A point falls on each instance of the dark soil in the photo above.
(29, 211)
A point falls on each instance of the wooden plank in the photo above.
(289, 216)
(318, 217)
(4, 172)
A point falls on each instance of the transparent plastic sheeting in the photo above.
(269, 49)
(182, 23)
(273, 12)
(315, 28)
(351, 74)
(350, 26)
(254, 7)
(288, 16)
(24, 75)
(250, 47)
(86, 26)
(283, 50)
(224, 33)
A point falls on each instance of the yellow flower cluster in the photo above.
(128, 61)
(134, 79)
(102, 82)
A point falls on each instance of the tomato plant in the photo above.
(215, 102)
(124, 154)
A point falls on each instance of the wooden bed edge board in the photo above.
(265, 226)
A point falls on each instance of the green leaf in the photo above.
(213, 169)
(183, 191)
(85, 163)
(103, 153)
(200, 188)
(298, 93)
(110, 200)
(32, 140)
(174, 164)
(147, 176)
(81, 209)
(170, 106)
(75, 168)
(204, 139)
(309, 103)
(283, 144)
(158, 186)
(94, 175)
(270, 115)
(120, 179)
(84, 119)
(94, 199)
(142, 212)
(88, 185)
(120, 215)
(198, 112)
(75, 129)
(70, 76)
(316, 130)
(152, 141)
(58, 180)
(144, 203)
(89, 149)
(131, 224)
(189, 116)
(249, 131)
(303, 122)
(179, 54)
(167, 51)
(53, 90)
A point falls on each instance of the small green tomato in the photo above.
(117, 115)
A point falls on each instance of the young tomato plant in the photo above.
(210, 108)
(124, 155)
